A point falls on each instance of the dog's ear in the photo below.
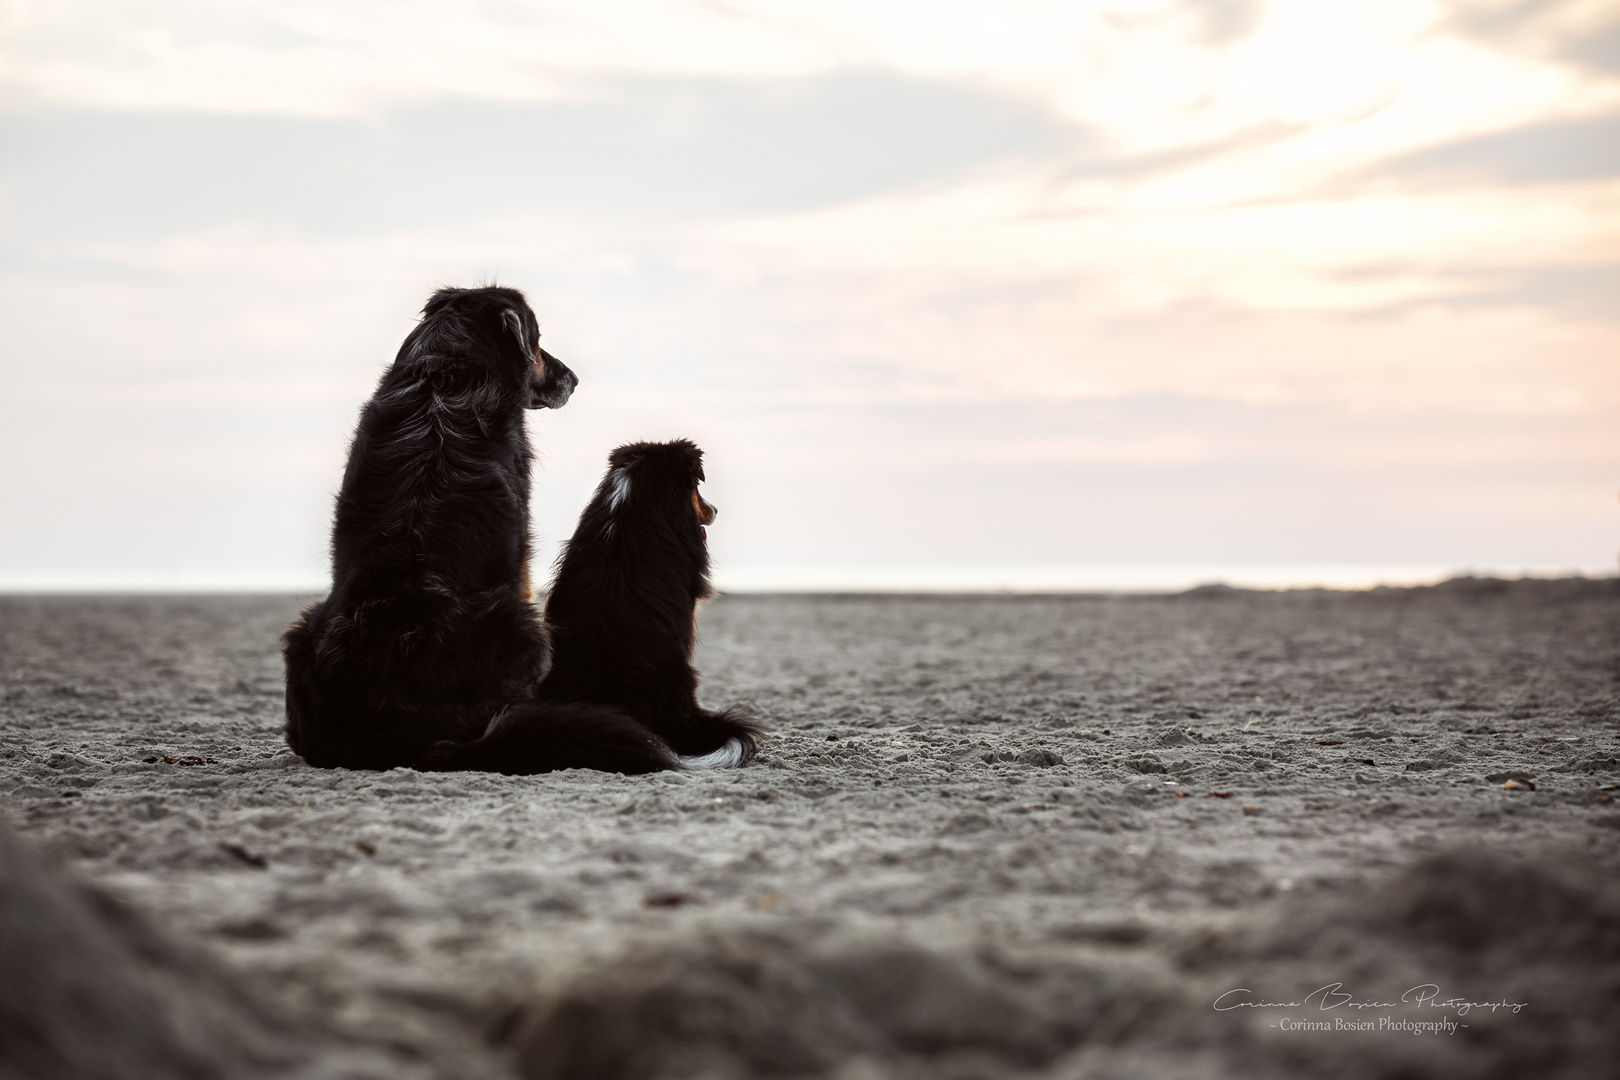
(514, 321)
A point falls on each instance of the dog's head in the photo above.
(504, 324)
(658, 480)
(645, 527)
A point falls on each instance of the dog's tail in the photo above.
(729, 756)
(545, 736)
(738, 736)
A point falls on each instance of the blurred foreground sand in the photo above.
(992, 836)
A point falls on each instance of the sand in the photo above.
(990, 836)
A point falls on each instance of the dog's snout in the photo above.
(551, 383)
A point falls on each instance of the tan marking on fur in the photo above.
(705, 512)
(524, 584)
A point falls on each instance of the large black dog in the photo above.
(622, 608)
(429, 652)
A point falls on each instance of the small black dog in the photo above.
(429, 651)
(623, 608)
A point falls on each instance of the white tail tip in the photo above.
(728, 756)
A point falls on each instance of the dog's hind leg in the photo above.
(299, 656)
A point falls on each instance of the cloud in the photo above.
(1543, 153)
(1584, 291)
(1226, 21)
(1154, 478)
(1599, 51)
(639, 148)
(1578, 31)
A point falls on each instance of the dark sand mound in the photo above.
(89, 989)
(1522, 955)
(1451, 942)
(993, 836)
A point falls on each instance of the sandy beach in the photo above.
(990, 836)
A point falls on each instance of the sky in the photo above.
(1119, 293)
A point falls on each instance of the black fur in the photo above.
(622, 608)
(429, 652)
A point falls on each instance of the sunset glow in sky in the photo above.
(1132, 292)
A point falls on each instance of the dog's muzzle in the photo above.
(551, 383)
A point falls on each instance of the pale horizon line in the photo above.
(988, 579)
